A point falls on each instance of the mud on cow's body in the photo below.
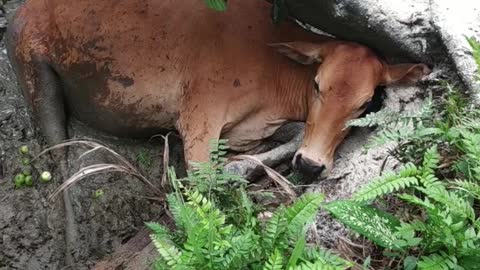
(134, 68)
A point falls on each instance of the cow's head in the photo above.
(341, 90)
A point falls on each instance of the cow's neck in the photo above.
(291, 95)
(285, 100)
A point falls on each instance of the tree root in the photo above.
(273, 157)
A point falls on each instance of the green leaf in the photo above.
(274, 233)
(275, 261)
(389, 183)
(366, 263)
(302, 211)
(297, 252)
(440, 261)
(313, 253)
(409, 263)
(475, 45)
(374, 224)
(158, 229)
(218, 5)
(471, 262)
(170, 254)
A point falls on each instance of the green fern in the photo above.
(318, 265)
(376, 225)
(275, 231)
(216, 225)
(440, 261)
(471, 188)
(170, 254)
(327, 257)
(430, 160)
(475, 45)
(275, 261)
(389, 183)
(303, 211)
(395, 127)
(158, 229)
(441, 229)
(217, 5)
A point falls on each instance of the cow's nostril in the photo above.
(317, 170)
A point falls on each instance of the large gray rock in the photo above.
(420, 30)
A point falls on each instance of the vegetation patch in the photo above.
(432, 224)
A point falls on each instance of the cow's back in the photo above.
(126, 65)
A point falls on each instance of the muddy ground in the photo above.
(32, 227)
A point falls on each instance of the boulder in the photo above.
(410, 30)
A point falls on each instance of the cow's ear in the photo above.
(303, 52)
(404, 73)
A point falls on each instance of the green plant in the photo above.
(475, 45)
(144, 158)
(439, 185)
(218, 5)
(446, 232)
(217, 226)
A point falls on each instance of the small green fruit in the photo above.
(25, 161)
(99, 193)
(27, 171)
(24, 149)
(29, 180)
(46, 176)
(19, 180)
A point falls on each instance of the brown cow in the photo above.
(134, 68)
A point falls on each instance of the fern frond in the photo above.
(454, 203)
(275, 261)
(425, 203)
(185, 217)
(437, 262)
(158, 229)
(431, 159)
(217, 5)
(475, 45)
(379, 118)
(313, 253)
(302, 211)
(376, 225)
(429, 181)
(170, 254)
(397, 134)
(274, 232)
(389, 183)
(317, 265)
(469, 187)
(243, 246)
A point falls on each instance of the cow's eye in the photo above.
(315, 85)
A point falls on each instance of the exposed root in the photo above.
(275, 176)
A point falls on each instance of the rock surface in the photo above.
(431, 31)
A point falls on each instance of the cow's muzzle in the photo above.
(308, 168)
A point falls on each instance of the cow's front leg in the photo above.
(197, 131)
